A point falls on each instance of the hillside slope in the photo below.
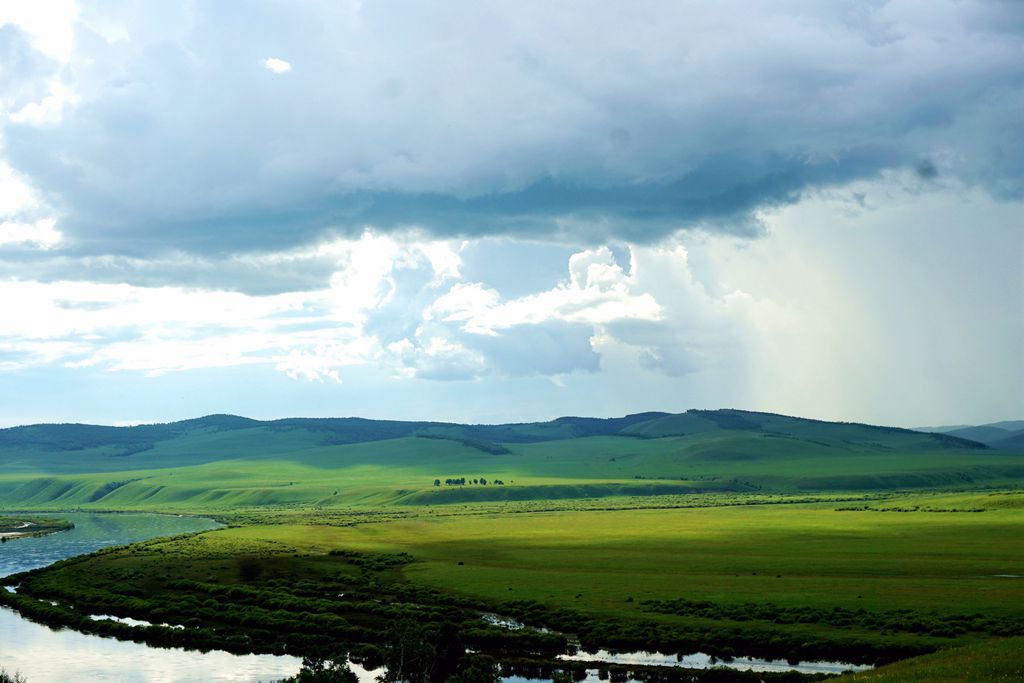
(227, 462)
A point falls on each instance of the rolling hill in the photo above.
(226, 461)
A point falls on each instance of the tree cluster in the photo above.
(462, 481)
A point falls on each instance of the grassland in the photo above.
(799, 580)
(725, 555)
(227, 465)
(728, 532)
(996, 661)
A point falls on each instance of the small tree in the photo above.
(409, 654)
(437, 482)
(449, 653)
(477, 670)
(319, 670)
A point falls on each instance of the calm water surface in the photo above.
(700, 660)
(46, 656)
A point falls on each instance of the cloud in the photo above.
(398, 305)
(596, 291)
(159, 329)
(25, 72)
(926, 170)
(554, 347)
(520, 197)
(542, 122)
(40, 233)
(653, 312)
(50, 26)
(278, 66)
(825, 316)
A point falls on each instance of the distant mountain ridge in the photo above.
(352, 430)
(1005, 435)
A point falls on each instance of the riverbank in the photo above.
(55, 656)
(803, 582)
(609, 579)
(26, 527)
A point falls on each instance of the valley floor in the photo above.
(868, 580)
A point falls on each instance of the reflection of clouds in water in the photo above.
(700, 660)
(92, 532)
(365, 676)
(46, 656)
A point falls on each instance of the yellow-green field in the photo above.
(618, 569)
(790, 555)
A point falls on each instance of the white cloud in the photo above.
(307, 334)
(278, 66)
(50, 24)
(436, 356)
(381, 286)
(844, 310)
(41, 233)
(16, 195)
(597, 291)
(323, 359)
(48, 111)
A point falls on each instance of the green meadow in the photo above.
(727, 532)
(996, 661)
(799, 555)
(219, 465)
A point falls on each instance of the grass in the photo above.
(741, 533)
(249, 468)
(906, 577)
(789, 555)
(996, 661)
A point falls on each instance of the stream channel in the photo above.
(43, 655)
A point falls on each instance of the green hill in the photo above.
(700, 421)
(224, 461)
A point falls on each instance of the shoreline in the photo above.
(29, 532)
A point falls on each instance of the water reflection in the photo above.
(700, 660)
(91, 532)
(47, 656)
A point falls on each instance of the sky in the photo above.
(511, 211)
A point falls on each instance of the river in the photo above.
(43, 655)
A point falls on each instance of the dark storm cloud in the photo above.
(551, 121)
(926, 170)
